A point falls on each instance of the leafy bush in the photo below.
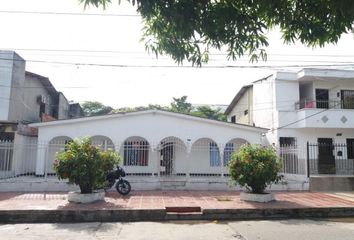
(84, 164)
(254, 167)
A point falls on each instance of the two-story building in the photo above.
(314, 106)
(27, 97)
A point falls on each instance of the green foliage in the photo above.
(94, 108)
(207, 112)
(141, 108)
(254, 167)
(84, 164)
(181, 105)
(187, 30)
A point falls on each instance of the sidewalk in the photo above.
(163, 205)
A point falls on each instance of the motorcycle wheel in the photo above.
(123, 187)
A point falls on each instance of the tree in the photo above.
(94, 108)
(187, 30)
(207, 112)
(181, 105)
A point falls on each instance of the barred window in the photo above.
(214, 155)
(136, 153)
(229, 148)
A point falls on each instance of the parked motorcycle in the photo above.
(115, 177)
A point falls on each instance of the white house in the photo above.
(157, 147)
(310, 105)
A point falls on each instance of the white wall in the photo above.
(154, 127)
(12, 69)
(17, 103)
(264, 103)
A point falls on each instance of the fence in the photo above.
(331, 158)
(293, 159)
(169, 158)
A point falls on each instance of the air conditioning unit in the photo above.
(41, 99)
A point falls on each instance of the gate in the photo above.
(326, 157)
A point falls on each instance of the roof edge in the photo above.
(115, 115)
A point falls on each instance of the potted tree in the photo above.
(255, 167)
(87, 166)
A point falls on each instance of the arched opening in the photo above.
(102, 142)
(136, 152)
(232, 146)
(173, 155)
(205, 158)
(57, 144)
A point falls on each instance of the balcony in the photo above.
(324, 104)
(322, 114)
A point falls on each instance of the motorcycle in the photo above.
(115, 177)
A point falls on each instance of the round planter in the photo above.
(78, 197)
(255, 197)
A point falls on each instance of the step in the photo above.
(332, 183)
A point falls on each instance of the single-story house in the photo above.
(153, 144)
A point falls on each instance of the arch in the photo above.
(135, 151)
(232, 146)
(205, 152)
(60, 140)
(173, 154)
(103, 142)
(55, 145)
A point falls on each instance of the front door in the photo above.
(167, 156)
(326, 160)
(322, 98)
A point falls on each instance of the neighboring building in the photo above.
(311, 105)
(28, 97)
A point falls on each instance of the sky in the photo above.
(112, 37)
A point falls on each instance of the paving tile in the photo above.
(162, 199)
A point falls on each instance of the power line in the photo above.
(37, 87)
(69, 13)
(181, 66)
(136, 52)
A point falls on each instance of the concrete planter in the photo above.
(78, 197)
(255, 197)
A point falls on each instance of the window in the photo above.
(214, 155)
(246, 112)
(136, 153)
(322, 98)
(233, 119)
(347, 98)
(287, 141)
(229, 148)
(350, 148)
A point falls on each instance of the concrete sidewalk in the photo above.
(171, 205)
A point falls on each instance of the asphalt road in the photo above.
(333, 229)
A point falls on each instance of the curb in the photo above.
(132, 215)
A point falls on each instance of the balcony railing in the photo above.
(324, 104)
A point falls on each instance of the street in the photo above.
(342, 229)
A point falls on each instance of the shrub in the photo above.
(254, 167)
(84, 164)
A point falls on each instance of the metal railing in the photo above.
(170, 158)
(331, 158)
(293, 159)
(324, 104)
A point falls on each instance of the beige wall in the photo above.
(244, 103)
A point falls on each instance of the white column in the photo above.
(42, 149)
(188, 159)
(222, 162)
